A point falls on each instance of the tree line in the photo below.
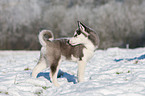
(118, 22)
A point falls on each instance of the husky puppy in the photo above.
(79, 48)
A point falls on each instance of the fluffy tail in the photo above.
(45, 36)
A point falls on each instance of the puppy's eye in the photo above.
(78, 32)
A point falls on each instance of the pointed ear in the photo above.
(81, 26)
(78, 24)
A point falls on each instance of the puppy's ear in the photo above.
(81, 26)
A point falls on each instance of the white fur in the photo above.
(43, 50)
(82, 64)
(74, 58)
(81, 70)
(80, 39)
(39, 67)
(88, 53)
(40, 36)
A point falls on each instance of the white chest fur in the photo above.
(87, 54)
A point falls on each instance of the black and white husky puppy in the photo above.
(79, 48)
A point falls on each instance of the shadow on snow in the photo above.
(130, 59)
(61, 74)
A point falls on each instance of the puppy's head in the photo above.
(81, 35)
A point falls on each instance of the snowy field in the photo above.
(111, 72)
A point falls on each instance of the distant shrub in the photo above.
(26, 69)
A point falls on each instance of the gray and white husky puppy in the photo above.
(79, 48)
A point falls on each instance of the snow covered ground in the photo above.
(111, 72)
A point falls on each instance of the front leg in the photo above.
(81, 70)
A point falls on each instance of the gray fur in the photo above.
(57, 48)
(54, 51)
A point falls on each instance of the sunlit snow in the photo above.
(111, 72)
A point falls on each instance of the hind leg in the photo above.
(39, 67)
(54, 71)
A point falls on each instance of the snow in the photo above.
(111, 72)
